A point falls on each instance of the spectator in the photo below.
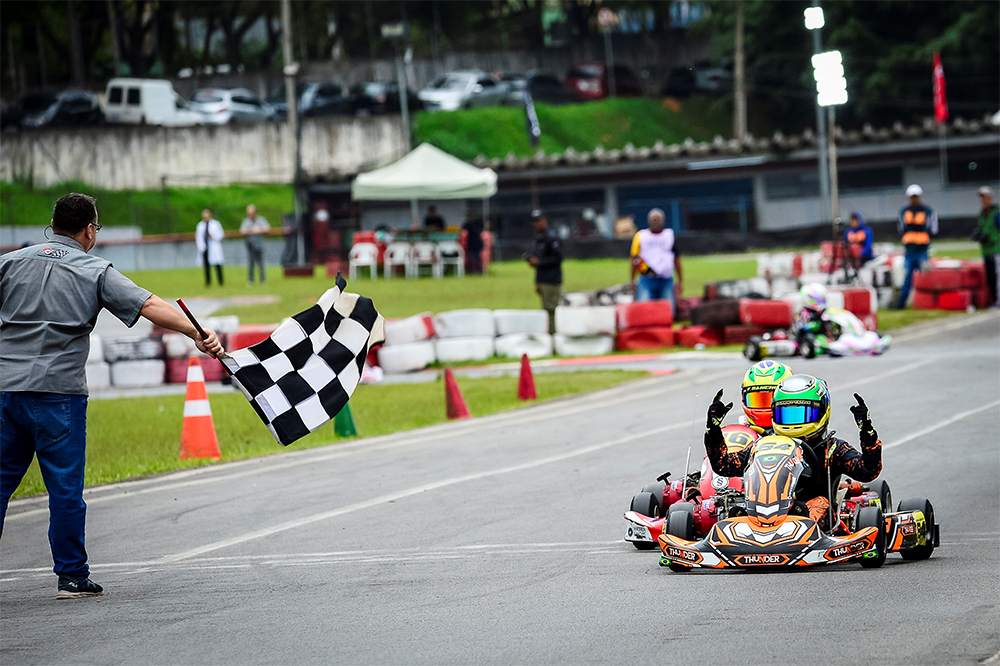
(255, 227)
(859, 238)
(473, 228)
(917, 223)
(987, 233)
(656, 258)
(434, 221)
(50, 297)
(547, 262)
(208, 237)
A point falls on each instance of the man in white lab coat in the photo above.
(208, 237)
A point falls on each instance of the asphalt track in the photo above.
(499, 540)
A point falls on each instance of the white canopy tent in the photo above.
(426, 173)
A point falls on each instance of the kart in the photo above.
(763, 525)
(691, 498)
(837, 333)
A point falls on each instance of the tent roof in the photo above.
(426, 172)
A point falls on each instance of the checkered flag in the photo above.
(304, 374)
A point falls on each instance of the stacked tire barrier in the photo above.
(98, 370)
(645, 326)
(950, 285)
(585, 331)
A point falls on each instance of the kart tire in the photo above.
(656, 489)
(752, 349)
(645, 503)
(872, 516)
(884, 494)
(809, 347)
(924, 505)
(680, 523)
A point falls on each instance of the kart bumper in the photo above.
(642, 529)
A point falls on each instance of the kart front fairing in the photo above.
(768, 535)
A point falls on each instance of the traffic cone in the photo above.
(454, 402)
(343, 423)
(526, 384)
(198, 438)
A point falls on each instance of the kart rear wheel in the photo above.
(645, 503)
(656, 488)
(872, 516)
(680, 523)
(752, 349)
(923, 505)
(884, 494)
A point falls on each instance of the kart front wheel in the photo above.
(884, 494)
(680, 523)
(924, 506)
(872, 516)
(645, 503)
(656, 488)
(752, 349)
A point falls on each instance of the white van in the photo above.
(148, 102)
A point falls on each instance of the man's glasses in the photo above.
(97, 227)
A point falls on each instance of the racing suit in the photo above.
(844, 460)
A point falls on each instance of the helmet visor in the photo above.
(796, 414)
(758, 399)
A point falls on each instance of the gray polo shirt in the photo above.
(50, 295)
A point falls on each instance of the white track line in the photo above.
(940, 424)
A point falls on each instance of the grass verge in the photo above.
(121, 446)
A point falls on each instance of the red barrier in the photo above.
(772, 314)
(858, 301)
(924, 300)
(738, 335)
(645, 338)
(954, 300)
(694, 335)
(648, 313)
(245, 336)
(939, 279)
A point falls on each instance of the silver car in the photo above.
(239, 104)
(462, 89)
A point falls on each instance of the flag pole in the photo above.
(194, 322)
(943, 153)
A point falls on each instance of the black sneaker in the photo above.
(72, 588)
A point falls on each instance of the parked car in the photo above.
(462, 89)
(69, 108)
(372, 98)
(148, 102)
(714, 79)
(314, 99)
(590, 81)
(240, 105)
(680, 83)
(545, 87)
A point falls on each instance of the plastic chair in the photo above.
(397, 254)
(425, 253)
(363, 254)
(452, 254)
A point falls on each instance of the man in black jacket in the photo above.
(547, 262)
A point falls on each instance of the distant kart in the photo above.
(762, 525)
(687, 501)
(838, 333)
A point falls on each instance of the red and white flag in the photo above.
(940, 98)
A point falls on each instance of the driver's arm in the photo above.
(723, 462)
(864, 466)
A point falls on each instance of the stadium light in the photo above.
(814, 18)
(831, 86)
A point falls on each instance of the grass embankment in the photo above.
(612, 123)
(176, 210)
(121, 446)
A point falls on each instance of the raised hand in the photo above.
(717, 411)
(864, 420)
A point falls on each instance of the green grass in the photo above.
(612, 123)
(120, 446)
(178, 210)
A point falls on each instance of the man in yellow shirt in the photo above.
(655, 258)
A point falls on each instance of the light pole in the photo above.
(606, 19)
(814, 23)
(831, 90)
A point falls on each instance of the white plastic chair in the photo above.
(425, 253)
(397, 254)
(363, 254)
(452, 254)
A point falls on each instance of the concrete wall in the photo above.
(133, 157)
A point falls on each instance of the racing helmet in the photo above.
(801, 408)
(813, 296)
(758, 390)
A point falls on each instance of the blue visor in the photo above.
(796, 415)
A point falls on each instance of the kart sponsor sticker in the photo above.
(681, 555)
(769, 560)
(637, 533)
(846, 550)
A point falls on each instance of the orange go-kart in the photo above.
(762, 525)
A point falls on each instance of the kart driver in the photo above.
(758, 393)
(801, 409)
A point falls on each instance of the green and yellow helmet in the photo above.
(758, 390)
(801, 408)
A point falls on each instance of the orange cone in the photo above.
(198, 438)
(526, 384)
(454, 402)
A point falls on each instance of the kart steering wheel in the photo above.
(811, 461)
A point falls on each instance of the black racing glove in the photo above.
(864, 420)
(717, 411)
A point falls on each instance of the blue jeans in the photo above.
(914, 262)
(53, 427)
(655, 288)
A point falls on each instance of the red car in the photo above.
(590, 82)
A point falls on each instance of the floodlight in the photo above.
(814, 18)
